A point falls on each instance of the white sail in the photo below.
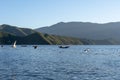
(14, 45)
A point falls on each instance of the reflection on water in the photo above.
(53, 63)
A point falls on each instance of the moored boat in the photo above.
(63, 46)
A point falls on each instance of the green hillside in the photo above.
(15, 30)
(7, 38)
(37, 38)
(9, 34)
(52, 39)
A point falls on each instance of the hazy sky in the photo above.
(39, 13)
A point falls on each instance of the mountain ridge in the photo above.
(7, 36)
(85, 30)
(16, 30)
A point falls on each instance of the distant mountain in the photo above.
(9, 34)
(16, 30)
(85, 30)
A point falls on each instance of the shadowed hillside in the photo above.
(37, 38)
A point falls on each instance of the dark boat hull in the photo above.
(63, 46)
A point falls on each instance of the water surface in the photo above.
(53, 63)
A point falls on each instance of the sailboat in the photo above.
(14, 45)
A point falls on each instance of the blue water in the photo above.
(53, 63)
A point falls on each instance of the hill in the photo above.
(85, 30)
(16, 30)
(45, 39)
(37, 38)
(9, 34)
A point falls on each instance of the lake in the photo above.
(53, 63)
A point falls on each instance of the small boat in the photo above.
(14, 45)
(35, 47)
(63, 46)
(87, 50)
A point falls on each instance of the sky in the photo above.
(39, 13)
